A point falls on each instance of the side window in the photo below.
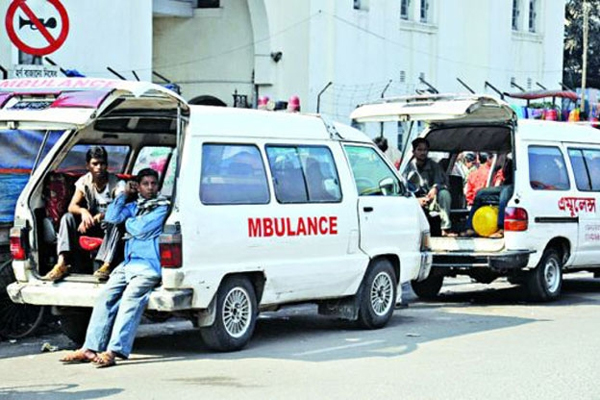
(304, 174)
(75, 159)
(580, 170)
(233, 174)
(586, 168)
(372, 175)
(592, 160)
(547, 169)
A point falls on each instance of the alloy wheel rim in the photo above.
(381, 294)
(552, 275)
(237, 312)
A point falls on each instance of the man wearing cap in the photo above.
(430, 181)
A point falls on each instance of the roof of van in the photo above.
(553, 131)
(250, 123)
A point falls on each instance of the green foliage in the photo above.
(574, 44)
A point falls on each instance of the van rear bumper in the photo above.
(424, 265)
(78, 294)
(497, 261)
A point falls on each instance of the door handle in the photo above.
(367, 209)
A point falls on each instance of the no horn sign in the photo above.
(37, 27)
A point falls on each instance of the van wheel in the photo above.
(429, 287)
(544, 283)
(74, 322)
(16, 320)
(377, 295)
(235, 318)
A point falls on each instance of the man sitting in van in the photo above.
(430, 182)
(94, 191)
(118, 309)
(478, 178)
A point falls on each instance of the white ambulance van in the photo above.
(551, 219)
(269, 209)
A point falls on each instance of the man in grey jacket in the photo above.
(430, 182)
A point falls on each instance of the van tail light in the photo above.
(515, 219)
(170, 250)
(17, 244)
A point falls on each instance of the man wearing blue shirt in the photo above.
(119, 308)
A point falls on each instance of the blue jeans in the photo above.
(497, 195)
(118, 310)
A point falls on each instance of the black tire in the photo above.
(544, 283)
(428, 288)
(74, 322)
(236, 315)
(16, 320)
(377, 295)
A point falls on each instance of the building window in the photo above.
(425, 11)
(405, 9)
(208, 3)
(532, 16)
(516, 12)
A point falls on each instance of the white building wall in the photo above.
(211, 53)
(220, 51)
(111, 33)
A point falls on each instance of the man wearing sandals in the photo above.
(119, 308)
(93, 192)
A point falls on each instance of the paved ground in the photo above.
(474, 342)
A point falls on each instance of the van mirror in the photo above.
(389, 186)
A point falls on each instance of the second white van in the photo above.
(551, 220)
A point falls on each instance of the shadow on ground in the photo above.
(299, 333)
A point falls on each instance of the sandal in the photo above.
(76, 357)
(449, 234)
(103, 272)
(58, 272)
(497, 235)
(104, 360)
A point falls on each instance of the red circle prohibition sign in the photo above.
(53, 43)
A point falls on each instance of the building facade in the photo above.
(332, 54)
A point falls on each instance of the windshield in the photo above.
(18, 152)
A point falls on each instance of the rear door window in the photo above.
(233, 174)
(547, 169)
(75, 161)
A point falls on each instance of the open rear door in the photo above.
(76, 102)
(441, 113)
(35, 114)
(442, 109)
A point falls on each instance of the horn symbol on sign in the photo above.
(49, 23)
